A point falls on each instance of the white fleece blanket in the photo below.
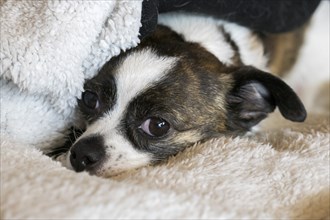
(282, 172)
(48, 49)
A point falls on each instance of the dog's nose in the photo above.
(87, 153)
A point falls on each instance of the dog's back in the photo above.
(274, 52)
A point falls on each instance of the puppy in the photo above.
(193, 79)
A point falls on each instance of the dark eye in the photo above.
(155, 127)
(90, 99)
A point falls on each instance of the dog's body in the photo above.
(194, 79)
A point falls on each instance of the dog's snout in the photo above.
(87, 153)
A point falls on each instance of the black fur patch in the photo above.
(104, 86)
(237, 57)
(257, 93)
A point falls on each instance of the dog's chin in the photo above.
(108, 173)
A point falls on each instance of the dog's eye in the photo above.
(90, 99)
(155, 127)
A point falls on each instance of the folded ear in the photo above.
(255, 94)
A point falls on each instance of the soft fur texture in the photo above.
(282, 172)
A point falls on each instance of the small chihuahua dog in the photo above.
(193, 79)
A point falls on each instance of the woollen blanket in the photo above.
(280, 172)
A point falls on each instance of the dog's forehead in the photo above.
(137, 72)
(140, 70)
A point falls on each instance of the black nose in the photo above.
(87, 153)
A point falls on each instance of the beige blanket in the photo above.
(281, 172)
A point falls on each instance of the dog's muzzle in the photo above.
(87, 153)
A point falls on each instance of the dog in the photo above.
(195, 78)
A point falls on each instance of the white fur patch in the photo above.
(202, 30)
(250, 47)
(139, 71)
(206, 32)
(136, 73)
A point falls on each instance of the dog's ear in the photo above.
(255, 94)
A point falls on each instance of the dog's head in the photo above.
(166, 94)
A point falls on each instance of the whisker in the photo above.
(70, 139)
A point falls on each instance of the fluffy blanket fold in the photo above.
(281, 172)
(47, 54)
